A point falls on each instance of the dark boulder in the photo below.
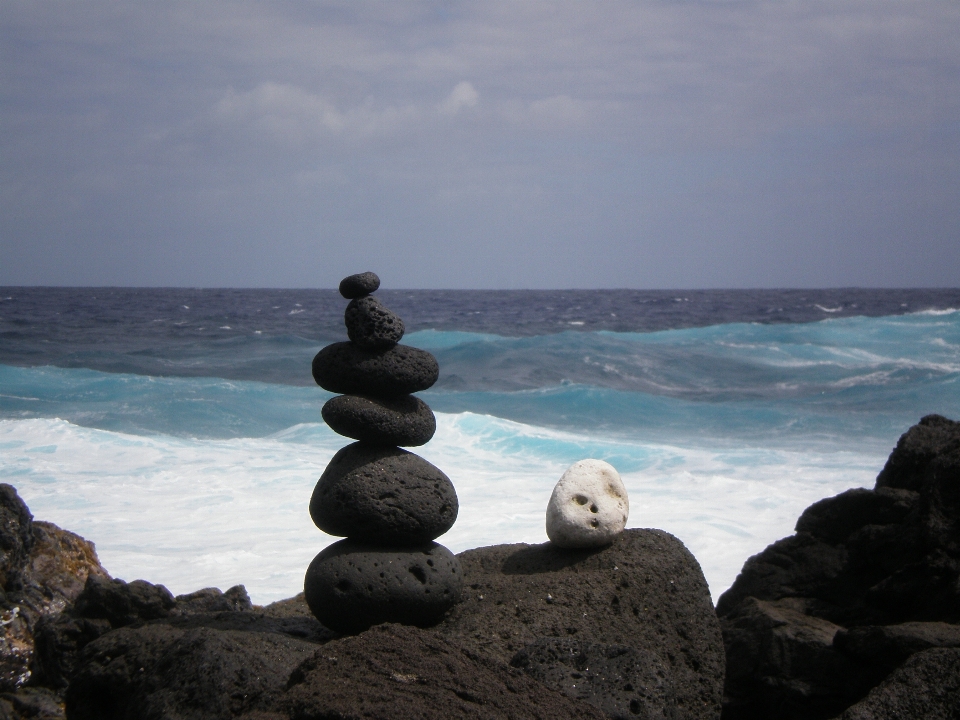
(645, 592)
(625, 683)
(872, 565)
(383, 495)
(355, 286)
(882, 648)
(782, 663)
(397, 672)
(158, 670)
(121, 603)
(107, 604)
(347, 369)
(36, 703)
(213, 600)
(371, 325)
(405, 421)
(16, 537)
(44, 569)
(351, 586)
(926, 686)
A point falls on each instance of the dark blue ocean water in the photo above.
(124, 412)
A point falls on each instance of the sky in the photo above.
(485, 144)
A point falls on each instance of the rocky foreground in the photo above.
(857, 616)
(625, 631)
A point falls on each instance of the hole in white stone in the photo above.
(581, 499)
(594, 508)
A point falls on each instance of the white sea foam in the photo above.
(192, 513)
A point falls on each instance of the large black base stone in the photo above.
(371, 325)
(406, 420)
(383, 495)
(351, 586)
(348, 369)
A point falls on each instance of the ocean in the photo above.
(180, 430)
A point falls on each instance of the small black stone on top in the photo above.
(356, 286)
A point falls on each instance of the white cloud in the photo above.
(464, 95)
(291, 115)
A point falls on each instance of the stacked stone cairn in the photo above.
(388, 503)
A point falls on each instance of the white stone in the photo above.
(589, 506)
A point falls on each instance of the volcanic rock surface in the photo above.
(817, 619)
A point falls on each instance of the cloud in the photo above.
(652, 122)
(464, 95)
(291, 115)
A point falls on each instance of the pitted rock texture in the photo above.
(350, 370)
(351, 585)
(588, 507)
(624, 682)
(644, 591)
(880, 568)
(405, 421)
(356, 286)
(371, 325)
(392, 672)
(383, 494)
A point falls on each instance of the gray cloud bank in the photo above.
(646, 143)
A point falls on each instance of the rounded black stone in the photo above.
(406, 420)
(354, 286)
(383, 494)
(371, 325)
(351, 586)
(350, 370)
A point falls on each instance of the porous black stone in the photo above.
(622, 681)
(351, 585)
(371, 325)
(383, 495)
(405, 420)
(355, 286)
(351, 370)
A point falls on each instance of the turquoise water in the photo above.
(723, 434)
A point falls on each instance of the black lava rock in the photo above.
(16, 536)
(123, 603)
(355, 286)
(161, 671)
(405, 420)
(351, 585)
(371, 325)
(644, 591)
(396, 672)
(816, 619)
(926, 686)
(351, 370)
(383, 495)
(624, 682)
